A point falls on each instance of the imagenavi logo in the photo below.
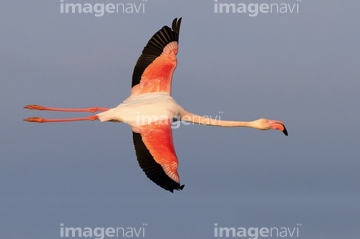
(102, 232)
(256, 232)
(255, 9)
(99, 9)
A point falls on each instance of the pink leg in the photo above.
(39, 107)
(42, 120)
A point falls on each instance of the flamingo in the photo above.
(150, 110)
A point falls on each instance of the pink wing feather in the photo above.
(153, 73)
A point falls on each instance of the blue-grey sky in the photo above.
(301, 68)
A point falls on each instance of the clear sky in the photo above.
(301, 68)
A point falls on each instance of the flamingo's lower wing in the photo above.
(156, 155)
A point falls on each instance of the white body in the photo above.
(143, 109)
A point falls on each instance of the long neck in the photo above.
(197, 119)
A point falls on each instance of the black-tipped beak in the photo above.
(278, 125)
(285, 131)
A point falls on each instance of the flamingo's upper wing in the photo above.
(156, 155)
(154, 68)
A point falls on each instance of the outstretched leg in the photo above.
(43, 120)
(39, 107)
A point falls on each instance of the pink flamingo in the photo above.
(150, 110)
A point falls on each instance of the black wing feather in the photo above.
(152, 169)
(154, 48)
(151, 51)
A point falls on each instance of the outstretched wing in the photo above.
(156, 155)
(154, 68)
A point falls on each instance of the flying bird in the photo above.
(150, 110)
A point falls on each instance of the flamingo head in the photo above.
(265, 124)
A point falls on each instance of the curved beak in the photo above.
(278, 125)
